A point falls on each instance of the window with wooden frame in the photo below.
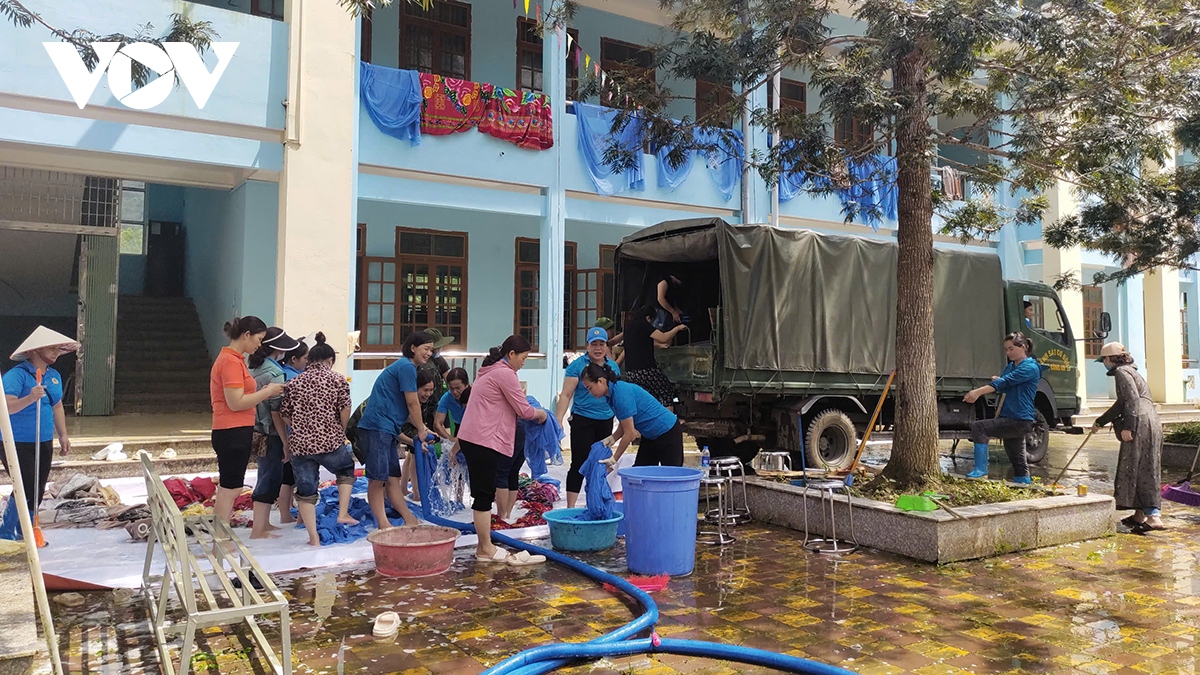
(852, 132)
(437, 40)
(529, 59)
(424, 285)
(365, 44)
(710, 97)
(1093, 306)
(526, 315)
(630, 61)
(793, 95)
(608, 280)
(272, 9)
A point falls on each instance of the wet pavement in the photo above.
(1124, 604)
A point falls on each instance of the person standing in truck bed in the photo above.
(641, 368)
(1018, 383)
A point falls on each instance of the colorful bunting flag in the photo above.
(587, 61)
(526, 7)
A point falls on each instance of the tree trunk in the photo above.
(914, 460)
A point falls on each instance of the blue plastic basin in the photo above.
(569, 534)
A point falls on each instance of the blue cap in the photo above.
(597, 333)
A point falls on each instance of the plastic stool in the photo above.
(826, 489)
(727, 469)
(718, 517)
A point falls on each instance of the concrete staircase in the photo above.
(162, 362)
(1168, 413)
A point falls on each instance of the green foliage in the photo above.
(1186, 433)
(962, 492)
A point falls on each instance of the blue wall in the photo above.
(231, 249)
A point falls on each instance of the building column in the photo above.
(553, 268)
(316, 189)
(756, 196)
(1067, 262)
(1164, 353)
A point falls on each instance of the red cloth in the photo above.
(449, 105)
(204, 488)
(181, 492)
(244, 502)
(520, 117)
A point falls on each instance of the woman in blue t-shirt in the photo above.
(393, 402)
(638, 411)
(591, 417)
(1018, 383)
(452, 404)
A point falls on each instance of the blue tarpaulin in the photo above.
(599, 496)
(393, 100)
(595, 133)
(330, 530)
(542, 444)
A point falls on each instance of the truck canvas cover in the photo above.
(797, 300)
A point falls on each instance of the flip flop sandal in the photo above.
(523, 558)
(104, 452)
(1140, 528)
(169, 453)
(386, 625)
(1130, 522)
(500, 556)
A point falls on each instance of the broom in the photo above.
(1182, 492)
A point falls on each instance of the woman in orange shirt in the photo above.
(234, 396)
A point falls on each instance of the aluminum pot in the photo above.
(772, 461)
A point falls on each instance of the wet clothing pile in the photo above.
(329, 529)
(600, 498)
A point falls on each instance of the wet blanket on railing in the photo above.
(595, 137)
(523, 118)
(393, 100)
(721, 151)
(542, 444)
(600, 498)
(449, 105)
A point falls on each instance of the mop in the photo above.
(1182, 492)
(1055, 485)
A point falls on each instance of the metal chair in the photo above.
(826, 489)
(718, 535)
(727, 469)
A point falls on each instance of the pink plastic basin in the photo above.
(412, 552)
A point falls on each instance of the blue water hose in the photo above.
(594, 650)
(547, 658)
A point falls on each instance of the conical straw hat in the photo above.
(44, 337)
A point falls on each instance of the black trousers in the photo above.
(482, 463)
(584, 432)
(1013, 432)
(666, 450)
(25, 458)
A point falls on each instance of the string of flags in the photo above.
(590, 65)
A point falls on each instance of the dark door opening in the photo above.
(165, 255)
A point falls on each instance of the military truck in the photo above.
(792, 335)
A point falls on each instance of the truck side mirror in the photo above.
(1105, 324)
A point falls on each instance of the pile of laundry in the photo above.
(81, 501)
(196, 497)
(536, 498)
(329, 529)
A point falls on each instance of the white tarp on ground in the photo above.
(110, 558)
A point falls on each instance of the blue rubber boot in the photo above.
(10, 526)
(981, 461)
(1022, 480)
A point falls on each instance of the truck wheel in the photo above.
(1038, 440)
(831, 441)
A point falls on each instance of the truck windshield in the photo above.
(1043, 315)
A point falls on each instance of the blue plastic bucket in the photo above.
(661, 504)
(569, 534)
(620, 507)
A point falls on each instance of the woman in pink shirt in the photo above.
(487, 431)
